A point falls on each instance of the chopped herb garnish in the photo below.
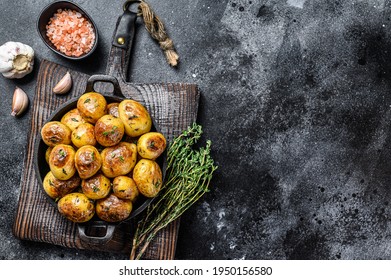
(92, 155)
(77, 137)
(87, 100)
(105, 133)
(151, 144)
(95, 189)
(51, 183)
(121, 158)
(113, 155)
(74, 119)
(64, 171)
(132, 117)
(157, 184)
(62, 153)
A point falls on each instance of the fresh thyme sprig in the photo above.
(188, 175)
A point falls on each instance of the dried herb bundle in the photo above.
(189, 172)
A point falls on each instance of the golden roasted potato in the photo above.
(47, 154)
(87, 161)
(109, 130)
(124, 187)
(112, 109)
(96, 187)
(83, 135)
(92, 106)
(58, 188)
(148, 177)
(62, 162)
(119, 159)
(72, 119)
(113, 209)
(54, 133)
(135, 117)
(151, 145)
(76, 207)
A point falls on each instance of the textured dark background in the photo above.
(296, 98)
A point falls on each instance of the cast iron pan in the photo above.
(104, 229)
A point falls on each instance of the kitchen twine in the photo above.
(155, 28)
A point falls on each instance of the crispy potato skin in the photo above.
(83, 135)
(87, 161)
(109, 131)
(47, 154)
(96, 187)
(148, 177)
(112, 109)
(58, 188)
(113, 209)
(119, 159)
(76, 207)
(125, 187)
(151, 145)
(92, 106)
(72, 119)
(62, 162)
(135, 117)
(54, 133)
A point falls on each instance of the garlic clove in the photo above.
(20, 102)
(64, 85)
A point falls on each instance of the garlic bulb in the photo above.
(20, 102)
(16, 60)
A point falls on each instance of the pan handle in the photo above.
(104, 79)
(104, 229)
(119, 56)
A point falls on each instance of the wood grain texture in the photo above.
(173, 106)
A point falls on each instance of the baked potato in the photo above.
(62, 161)
(96, 187)
(109, 130)
(119, 159)
(151, 145)
(113, 209)
(124, 187)
(47, 154)
(112, 109)
(148, 177)
(72, 119)
(58, 188)
(55, 132)
(92, 106)
(87, 161)
(76, 207)
(83, 135)
(135, 117)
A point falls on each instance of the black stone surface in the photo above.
(296, 98)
